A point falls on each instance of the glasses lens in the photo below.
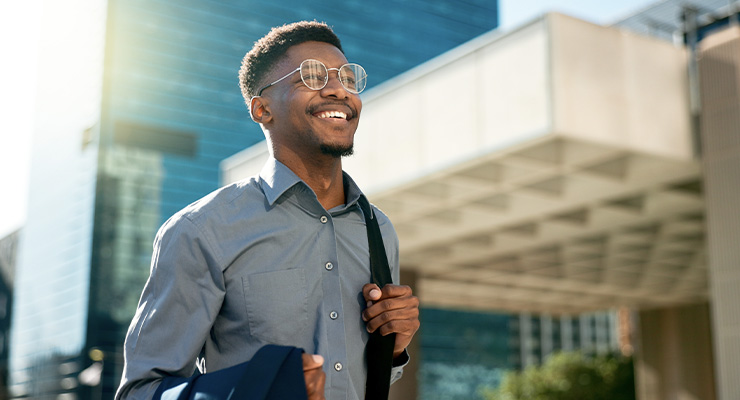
(314, 74)
(353, 77)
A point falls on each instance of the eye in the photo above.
(314, 77)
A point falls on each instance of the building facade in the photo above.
(142, 106)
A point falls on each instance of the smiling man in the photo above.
(282, 257)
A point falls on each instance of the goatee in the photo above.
(337, 151)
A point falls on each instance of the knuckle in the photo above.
(385, 317)
(396, 326)
(390, 326)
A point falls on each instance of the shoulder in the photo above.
(382, 217)
(222, 204)
(386, 226)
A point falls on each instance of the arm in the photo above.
(179, 304)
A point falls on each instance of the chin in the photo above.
(337, 151)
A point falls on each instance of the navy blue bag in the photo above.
(275, 372)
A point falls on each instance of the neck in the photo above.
(323, 174)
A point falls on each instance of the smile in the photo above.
(331, 114)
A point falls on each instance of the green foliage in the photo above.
(569, 376)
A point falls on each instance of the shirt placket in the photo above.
(332, 314)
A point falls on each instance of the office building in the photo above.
(8, 252)
(464, 353)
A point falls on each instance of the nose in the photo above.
(334, 87)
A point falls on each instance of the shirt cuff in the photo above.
(401, 360)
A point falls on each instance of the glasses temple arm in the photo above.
(259, 93)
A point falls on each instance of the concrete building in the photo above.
(557, 169)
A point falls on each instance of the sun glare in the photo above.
(19, 35)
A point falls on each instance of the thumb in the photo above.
(371, 292)
(312, 361)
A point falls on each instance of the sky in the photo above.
(19, 36)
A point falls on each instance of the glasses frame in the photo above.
(326, 80)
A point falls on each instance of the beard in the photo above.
(337, 151)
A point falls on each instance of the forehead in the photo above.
(331, 56)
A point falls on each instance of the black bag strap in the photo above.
(379, 350)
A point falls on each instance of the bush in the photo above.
(569, 376)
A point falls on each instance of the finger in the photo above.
(391, 290)
(371, 292)
(392, 321)
(390, 304)
(402, 328)
(315, 382)
(312, 361)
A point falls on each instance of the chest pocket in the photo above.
(277, 305)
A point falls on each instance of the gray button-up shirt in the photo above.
(259, 261)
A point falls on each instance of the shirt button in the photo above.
(338, 366)
(324, 219)
(333, 315)
(329, 266)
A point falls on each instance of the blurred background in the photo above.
(563, 177)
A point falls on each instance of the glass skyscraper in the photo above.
(139, 103)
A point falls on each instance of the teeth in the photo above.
(332, 114)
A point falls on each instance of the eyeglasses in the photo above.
(315, 75)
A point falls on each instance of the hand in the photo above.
(314, 376)
(393, 309)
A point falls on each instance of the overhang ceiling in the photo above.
(555, 225)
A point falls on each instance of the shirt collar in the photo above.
(352, 192)
(276, 179)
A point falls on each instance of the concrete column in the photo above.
(546, 345)
(526, 351)
(566, 333)
(719, 68)
(673, 359)
(587, 341)
(408, 387)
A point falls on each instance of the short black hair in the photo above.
(272, 47)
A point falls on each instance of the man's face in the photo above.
(310, 121)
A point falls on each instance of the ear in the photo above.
(259, 110)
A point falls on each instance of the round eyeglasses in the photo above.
(315, 75)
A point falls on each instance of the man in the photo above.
(280, 258)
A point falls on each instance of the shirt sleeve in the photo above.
(178, 306)
(398, 364)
